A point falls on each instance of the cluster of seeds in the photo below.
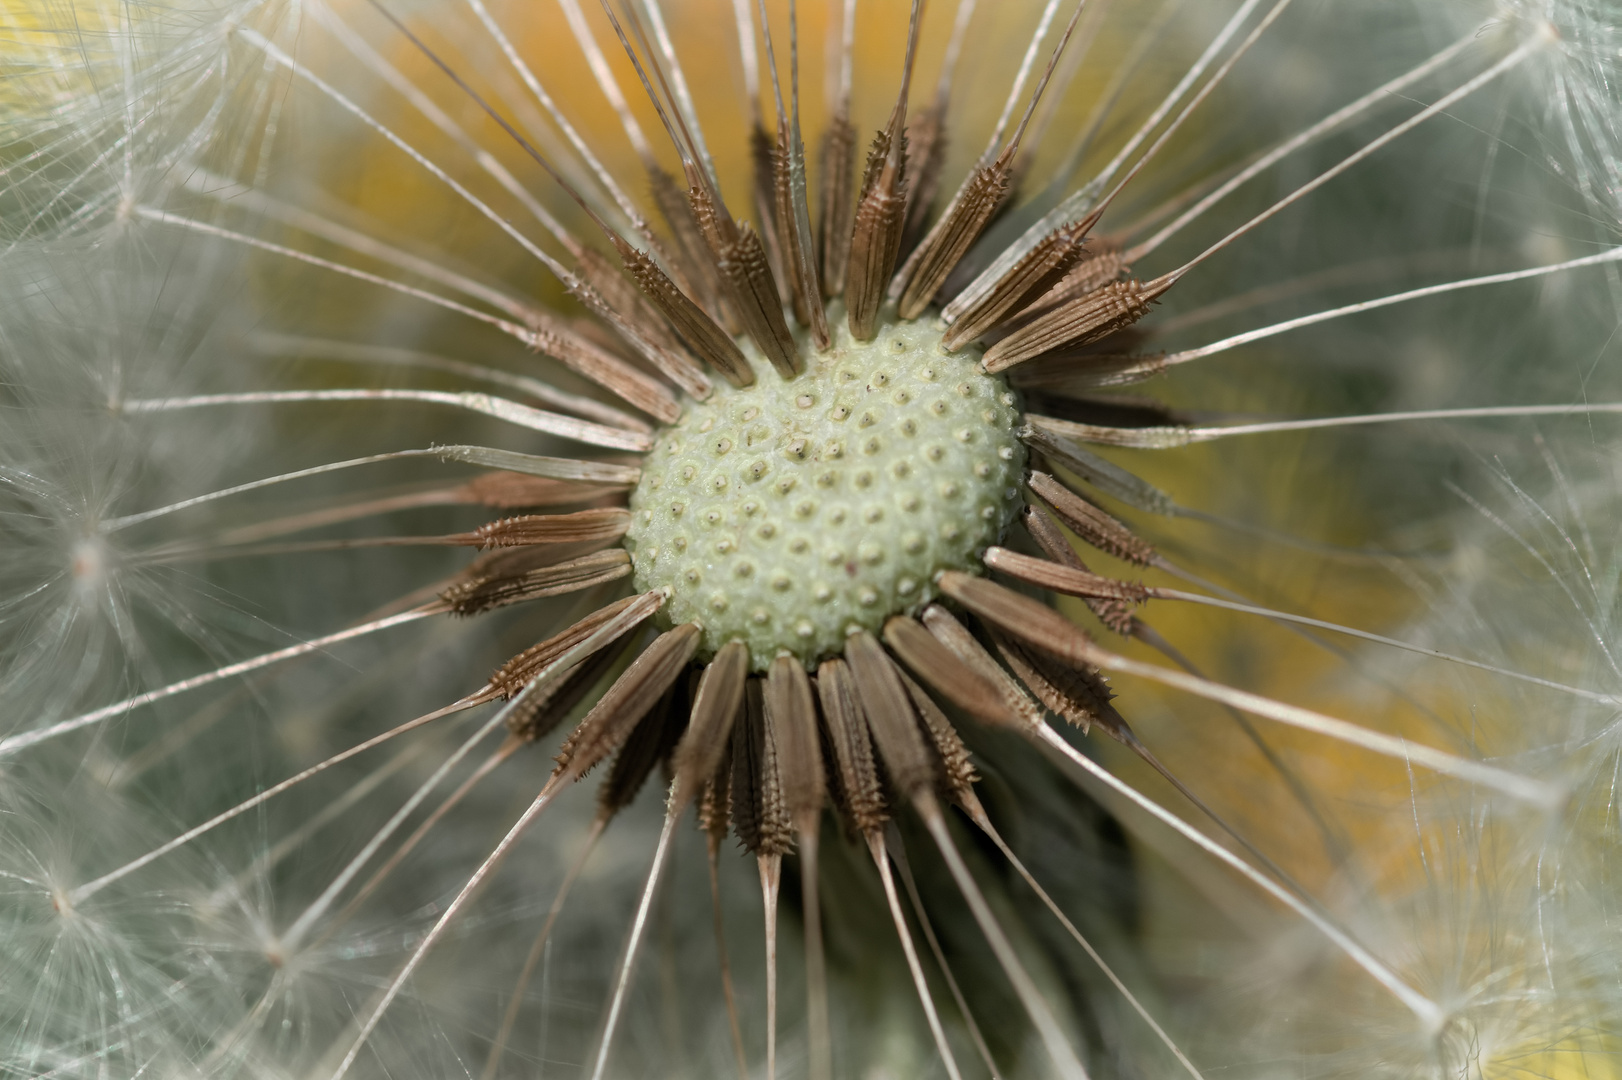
(785, 513)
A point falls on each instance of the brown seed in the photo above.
(881, 208)
(754, 290)
(673, 363)
(624, 295)
(952, 235)
(936, 665)
(493, 591)
(776, 828)
(890, 718)
(758, 816)
(787, 268)
(1079, 695)
(694, 324)
(955, 636)
(1082, 321)
(768, 206)
(1061, 578)
(850, 747)
(838, 154)
(636, 388)
(1102, 263)
(696, 260)
(715, 709)
(1041, 269)
(744, 752)
(794, 231)
(514, 562)
(1029, 620)
(649, 742)
(956, 777)
(740, 259)
(539, 713)
(1151, 438)
(510, 490)
(605, 523)
(608, 724)
(875, 242)
(792, 713)
(1115, 614)
(516, 673)
(1087, 521)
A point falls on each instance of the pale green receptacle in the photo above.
(785, 513)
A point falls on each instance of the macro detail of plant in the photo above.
(695, 538)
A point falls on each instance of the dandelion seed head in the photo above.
(1448, 536)
(784, 513)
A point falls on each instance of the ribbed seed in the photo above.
(1079, 695)
(715, 710)
(740, 259)
(758, 815)
(673, 363)
(603, 523)
(634, 387)
(768, 209)
(792, 712)
(848, 742)
(1091, 317)
(787, 266)
(754, 289)
(713, 344)
(507, 563)
(838, 154)
(1115, 614)
(1149, 438)
(624, 295)
(951, 236)
(537, 715)
(1102, 262)
(936, 665)
(798, 243)
(1042, 269)
(1087, 521)
(875, 243)
(498, 590)
(890, 717)
(1060, 578)
(1031, 621)
(776, 828)
(516, 673)
(696, 259)
(608, 724)
(956, 777)
(944, 627)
